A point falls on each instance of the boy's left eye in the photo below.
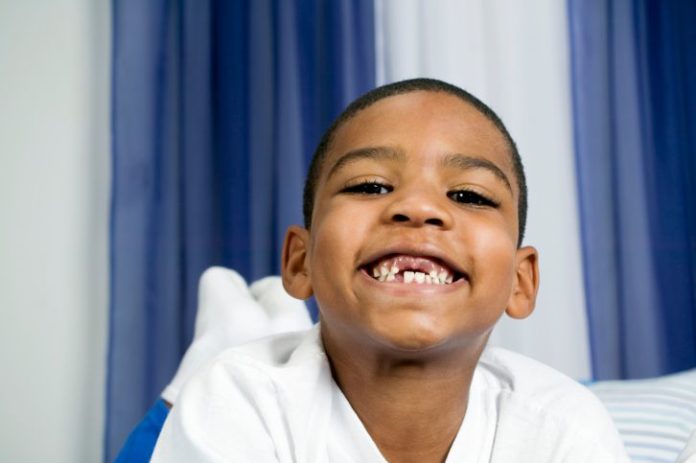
(471, 197)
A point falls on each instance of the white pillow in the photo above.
(655, 417)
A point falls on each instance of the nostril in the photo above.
(434, 221)
(431, 221)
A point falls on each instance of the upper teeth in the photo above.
(382, 273)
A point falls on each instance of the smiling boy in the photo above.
(415, 207)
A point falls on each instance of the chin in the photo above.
(410, 337)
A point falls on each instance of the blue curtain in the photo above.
(217, 108)
(634, 96)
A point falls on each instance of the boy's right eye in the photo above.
(369, 188)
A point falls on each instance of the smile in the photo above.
(406, 269)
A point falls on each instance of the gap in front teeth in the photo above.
(382, 273)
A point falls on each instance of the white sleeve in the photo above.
(215, 420)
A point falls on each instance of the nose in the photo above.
(418, 208)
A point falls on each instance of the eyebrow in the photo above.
(454, 160)
(373, 152)
(464, 162)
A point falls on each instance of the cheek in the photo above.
(336, 241)
(495, 254)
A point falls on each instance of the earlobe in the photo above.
(294, 270)
(526, 285)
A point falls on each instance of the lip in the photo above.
(427, 251)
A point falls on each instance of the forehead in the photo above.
(422, 123)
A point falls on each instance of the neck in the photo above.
(411, 405)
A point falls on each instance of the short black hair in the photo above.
(398, 88)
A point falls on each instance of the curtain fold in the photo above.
(217, 108)
(634, 75)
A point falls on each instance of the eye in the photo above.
(471, 197)
(369, 188)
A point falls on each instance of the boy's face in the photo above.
(418, 183)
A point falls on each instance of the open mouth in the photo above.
(400, 268)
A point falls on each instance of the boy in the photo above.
(415, 205)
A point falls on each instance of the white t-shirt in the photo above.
(275, 401)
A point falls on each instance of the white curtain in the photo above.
(515, 57)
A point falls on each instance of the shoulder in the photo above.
(542, 389)
(278, 351)
(255, 367)
(260, 373)
(546, 410)
(537, 383)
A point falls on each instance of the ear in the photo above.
(294, 268)
(526, 284)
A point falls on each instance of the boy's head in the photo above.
(414, 210)
(397, 88)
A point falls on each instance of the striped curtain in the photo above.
(217, 107)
